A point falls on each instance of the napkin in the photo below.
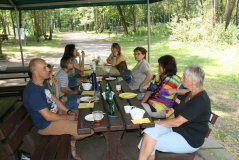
(86, 105)
(88, 93)
(140, 121)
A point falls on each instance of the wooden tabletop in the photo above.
(120, 122)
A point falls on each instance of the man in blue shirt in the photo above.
(38, 101)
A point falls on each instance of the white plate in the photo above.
(110, 78)
(90, 117)
(85, 99)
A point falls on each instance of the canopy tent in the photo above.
(53, 4)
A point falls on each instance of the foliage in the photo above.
(201, 30)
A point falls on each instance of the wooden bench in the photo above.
(186, 156)
(9, 91)
(16, 125)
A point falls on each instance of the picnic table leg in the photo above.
(113, 146)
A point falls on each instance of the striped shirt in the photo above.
(160, 99)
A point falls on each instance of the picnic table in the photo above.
(16, 72)
(112, 127)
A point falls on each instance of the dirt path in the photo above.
(93, 45)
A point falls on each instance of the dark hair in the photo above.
(142, 50)
(116, 45)
(169, 65)
(50, 66)
(69, 50)
(65, 61)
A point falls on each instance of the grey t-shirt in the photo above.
(62, 77)
(138, 74)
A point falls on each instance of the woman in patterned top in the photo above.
(157, 101)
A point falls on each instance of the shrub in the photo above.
(201, 30)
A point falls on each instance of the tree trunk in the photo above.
(51, 26)
(236, 16)
(36, 24)
(13, 26)
(186, 8)
(122, 19)
(3, 21)
(214, 12)
(228, 12)
(133, 9)
(20, 18)
(202, 9)
(96, 23)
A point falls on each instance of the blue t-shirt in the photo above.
(35, 99)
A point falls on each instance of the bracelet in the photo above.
(69, 110)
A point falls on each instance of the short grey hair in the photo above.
(195, 73)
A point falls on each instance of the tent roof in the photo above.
(51, 4)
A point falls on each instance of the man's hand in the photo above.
(73, 115)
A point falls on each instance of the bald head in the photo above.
(38, 69)
(34, 62)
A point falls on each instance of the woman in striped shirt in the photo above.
(157, 101)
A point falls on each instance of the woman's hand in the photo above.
(141, 88)
(171, 91)
(83, 53)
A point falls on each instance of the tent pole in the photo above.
(18, 30)
(148, 27)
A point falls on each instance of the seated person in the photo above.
(156, 101)
(141, 73)
(72, 95)
(186, 132)
(53, 87)
(117, 59)
(38, 101)
(74, 74)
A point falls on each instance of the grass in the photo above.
(44, 47)
(220, 63)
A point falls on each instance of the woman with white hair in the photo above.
(186, 132)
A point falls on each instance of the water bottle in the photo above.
(111, 105)
(94, 82)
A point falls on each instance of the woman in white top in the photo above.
(141, 73)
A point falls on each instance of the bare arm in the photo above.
(146, 81)
(59, 104)
(146, 96)
(55, 83)
(68, 91)
(117, 60)
(179, 91)
(173, 122)
(109, 59)
(49, 116)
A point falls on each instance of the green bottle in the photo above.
(107, 91)
(111, 105)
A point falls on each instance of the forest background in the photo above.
(203, 32)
